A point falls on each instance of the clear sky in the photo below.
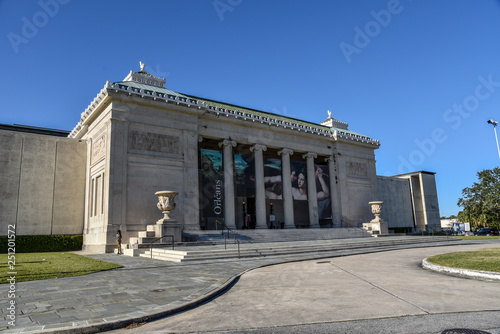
(423, 76)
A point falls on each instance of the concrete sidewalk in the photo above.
(143, 290)
(385, 293)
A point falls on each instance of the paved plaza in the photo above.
(301, 289)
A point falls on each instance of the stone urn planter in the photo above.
(166, 202)
(167, 226)
(376, 208)
(377, 225)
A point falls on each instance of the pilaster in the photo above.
(334, 193)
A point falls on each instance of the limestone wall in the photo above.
(42, 183)
(431, 201)
(397, 208)
(357, 183)
(425, 200)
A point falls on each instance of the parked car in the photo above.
(487, 231)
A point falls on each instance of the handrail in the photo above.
(429, 228)
(361, 230)
(165, 236)
(432, 229)
(233, 234)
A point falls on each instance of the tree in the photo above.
(481, 202)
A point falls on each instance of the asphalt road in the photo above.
(386, 292)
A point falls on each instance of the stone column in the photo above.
(287, 187)
(311, 190)
(334, 193)
(260, 190)
(229, 209)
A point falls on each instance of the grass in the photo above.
(482, 259)
(37, 266)
(478, 237)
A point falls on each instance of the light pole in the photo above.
(495, 123)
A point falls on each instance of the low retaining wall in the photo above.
(465, 273)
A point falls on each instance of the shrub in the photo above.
(401, 229)
(42, 243)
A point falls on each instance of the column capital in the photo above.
(285, 151)
(258, 147)
(309, 155)
(227, 142)
(330, 158)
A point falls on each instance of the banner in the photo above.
(323, 191)
(299, 180)
(245, 175)
(272, 178)
(212, 188)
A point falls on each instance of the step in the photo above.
(146, 234)
(272, 235)
(284, 248)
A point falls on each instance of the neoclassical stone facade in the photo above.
(143, 138)
(230, 165)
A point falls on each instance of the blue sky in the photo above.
(422, 76)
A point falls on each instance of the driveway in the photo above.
(360, 287)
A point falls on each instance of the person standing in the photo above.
(119, 241)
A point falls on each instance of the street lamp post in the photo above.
(495, 123)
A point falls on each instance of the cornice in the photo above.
(151, 94)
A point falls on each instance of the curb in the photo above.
(464, 273)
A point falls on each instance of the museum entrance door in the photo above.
(251, 213)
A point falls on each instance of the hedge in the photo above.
(401, 229)
(42, 243)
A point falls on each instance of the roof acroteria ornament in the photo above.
(329, 114)
(142, 65)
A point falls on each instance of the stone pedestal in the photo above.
(168, 227)
(376, 225)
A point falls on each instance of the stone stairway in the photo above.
(280, 235)
(137, 245)
(144, 237)
(283, 248)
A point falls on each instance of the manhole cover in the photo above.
(320, 262)
(463, 331)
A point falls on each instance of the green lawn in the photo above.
(37, 266)
(482, 259)
(478, 237)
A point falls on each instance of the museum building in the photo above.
(231, 166)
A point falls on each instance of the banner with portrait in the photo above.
(272, 178)
(323, 191)
(212, 188)
(299, 180)
(245, 175)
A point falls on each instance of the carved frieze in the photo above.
(98, 149)
(153, 142)
(357, 168)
